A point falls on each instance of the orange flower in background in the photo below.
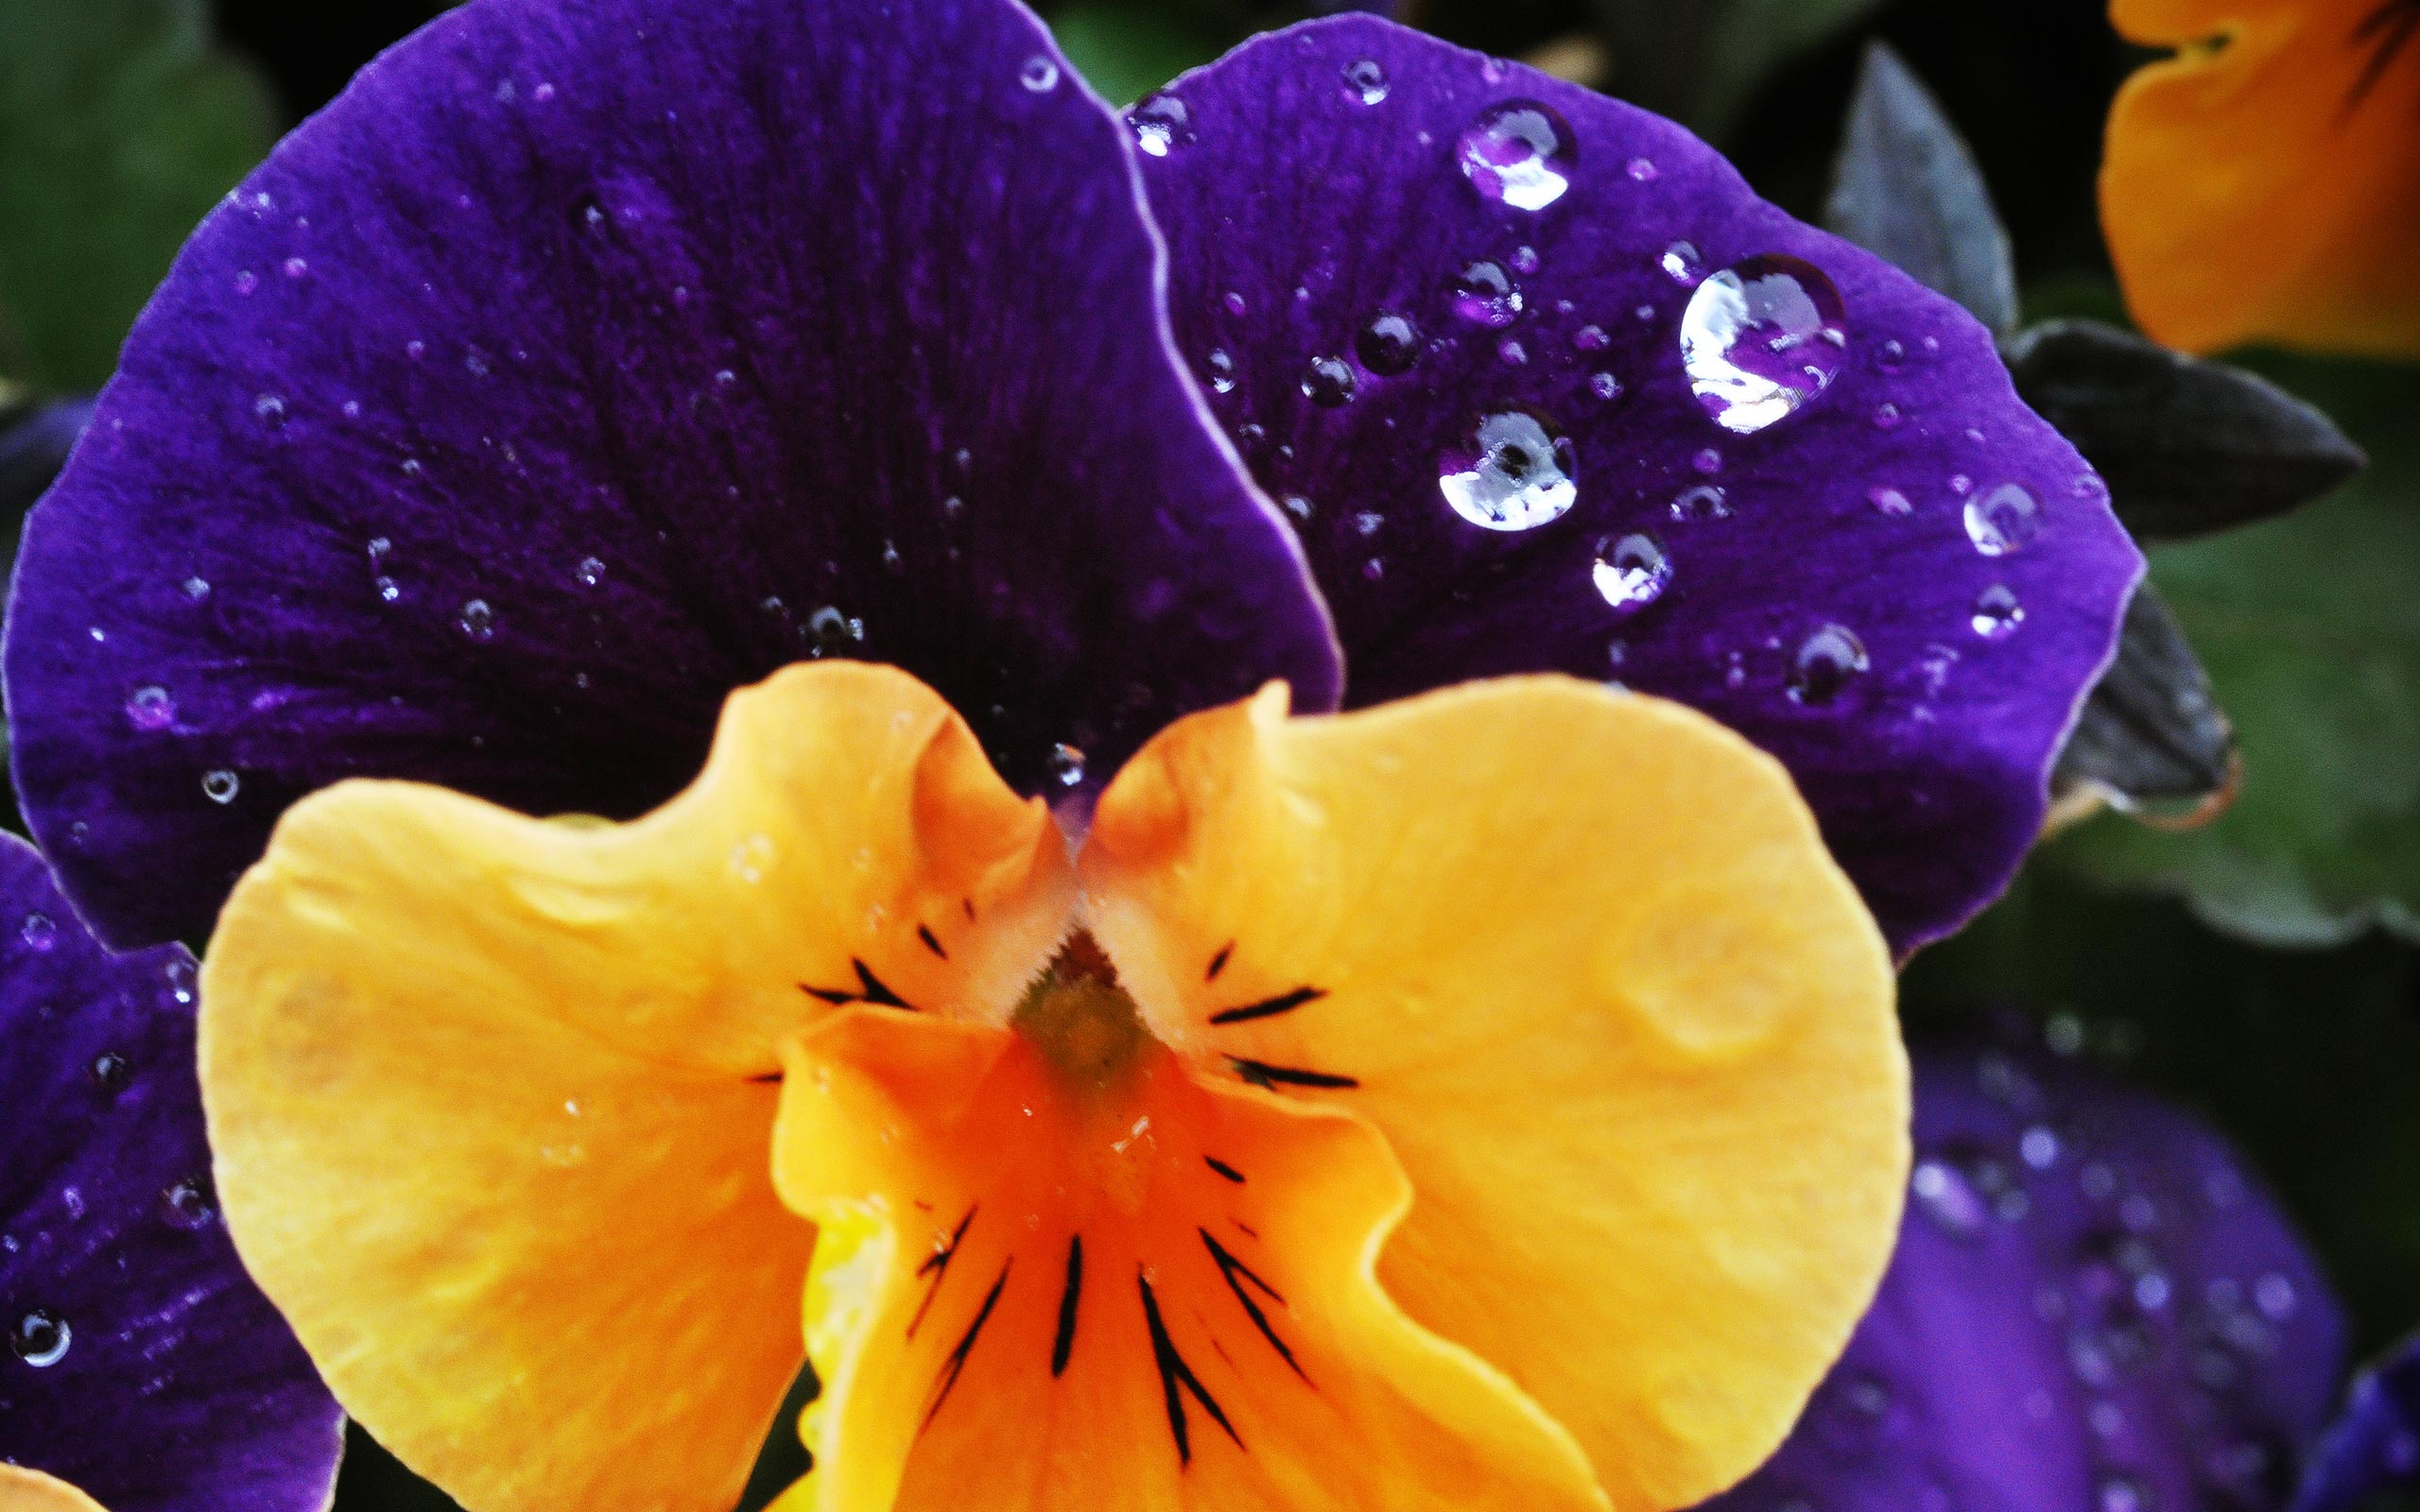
(2264, 183)
(1488, 1100)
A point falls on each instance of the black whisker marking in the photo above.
(951, 1371)
(1064, 1344)
(1218, 962)
(1223, 1169)
(1261, 1074)
(1269, 1008)
(932, 941)
(937, 1265)
(1249, 1231)
(767, 1078)
(870, 988)
(1231, 1268)
(1177, 1378)
(2386, 32)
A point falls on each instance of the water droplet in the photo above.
(150, 707)
(1886, 417)
(589, 572)
(1520, 152)
(1642, 171)
(1040, 75)
(476, 620)
(1590, 338)
(1369, 522)
(1526, 260)
(1328, 382)
(1513, 473)
(1162, 123)
(247, 281)
(386, 588)
(1484, 294)
(1825, 662)
(1234, 301)
(1891, 356)
(416, 350)
(1634, 574)
(108, 1071)
(1682, 263)
(270, 408)
(1365, 79)
(2275, 1296)
(1997, 613)
(1389, 344)
(832, 633)
(1604, 385)
(1702, 502)
(1889, 501)
(2003, 521)
(296, 267)
(1512, 353)
(187, 1203)
(197, 589)
(1707, 462)
(1066, 765)
(38, 932)
(1944, 1194)
(1221, 370)
(219, 784)
(1961, 485)
(41, 1338)
(1761, 338)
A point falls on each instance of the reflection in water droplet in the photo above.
(108, 1071)
(1682, 263)
(1162, 123)
(1039, 74)
(1634, 574)
(1604, 385)
(1484, 294)
(186, 1203)
(1702, 502)
(150, 707)
(1221, 369)
(1825, 662)
(220, 785)
(1389, 344)
(182, 980)
(589, 572)
(830, 632)
(1997, 613)
(40, 1338)
(1328, 382)
(1520, 152)
(1890, 501)
(476, 620)
(1067, 763)
(1365, 79)
(1513, 473)
(2003, 521)
(1761, 338)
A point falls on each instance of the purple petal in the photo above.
(2374, 1443)
(1442, 303)
(581, 363)
(143, 1367)
(2093, 1306)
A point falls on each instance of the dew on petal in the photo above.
(1328, 382)
(187, 1203)
(1520, 152)
(220, 785)
(1365, 79)
(1221, 370)
(1890, 501)
(589, 572)
(1040, 75)
(1997, 613)
(150, 707)
(1484, 294)
(1642, 171)
(831, 632)
(38, 932)
(475, 619)
(108, 1071)
(1162, 124)
(1604, 385)
(1513, 473)
(1389, 344)
(1702, 501)
(1761, 338)
(1066, 765)
(196, 587)
(2003, 521)
(1682, 263)
(40, 1337)
(1590, 338)
(1825, 662)
(1634, 574)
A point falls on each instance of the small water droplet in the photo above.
(187, 1203)
(475, 619)
(1513, 473)
(41, 1338)
(1484, 294)
(1328, 382)
(1892, 356)
(108, 1071)
(1220, 370)
(1512, 353)
(1889, 501)
(270, 408)
(1682, 263)
(1886, 417)
(2003, 521)
(197, 589)
(1702, 501)
(833, 634)
(1525, 260)
(1520, 153)
(1389, 344)
(1961, 485)
(1944, 1195)
(1707, 462)
(416, 350)
(589, 572)
(1634, 574)
(1040, 75)
(1066, 765)
(1604, 385)
(38, 932)
(1365, 79)
(1369, 522)
(1827, 661)
(1162, 123)
(219, 784)
(150, 707)
(1997, 613)
(1590, 338)
(247, 281)
(1234, 302)
(1761, 338)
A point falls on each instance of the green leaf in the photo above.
(122, 128)
(1700, 61)
(2310, 628)
(1126, 52)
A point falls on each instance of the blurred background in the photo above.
(2257, 970)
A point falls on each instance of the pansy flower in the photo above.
(2263, 184)
(2094, 1304)
(1498, 1079)
(144, 1373)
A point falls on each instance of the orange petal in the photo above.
(491, 1095)
(24, 1490)
(2264, 185)
(1038, 1291)
(1582, 957)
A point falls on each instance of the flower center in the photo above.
(1080, 1021)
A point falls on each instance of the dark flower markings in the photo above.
(1269, 1008)
(1064, 1342)
(1177, 1378)
(1261, 1074)
(870, 988)
(2386, 32)
(937, 1265)
(932, 941)
(1236, 1274)
(957, 1362)
(1223, 1169)
(1218, 962)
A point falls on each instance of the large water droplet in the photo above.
(1825, 662)
(150, 707)
(1484, 294)
(2003, 521)
(41, 1337)
(1389, 344)
(1519, 152)
(1513, 473)
(1760, 338)
(1634, 574)
(1328, 382)
(1162, 123)
(220, 785)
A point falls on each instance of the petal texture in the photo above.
(2092, 1305)
(1581, 956)
(1039, 1293)
(144, 1368)
(577, 1287)
(2264, 183)
(1547, 387)
(583, 363)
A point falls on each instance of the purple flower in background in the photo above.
(142, 1368)
(575, 368)
(2093, 1306)
(2376, 1443)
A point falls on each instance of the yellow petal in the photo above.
(491, 1097)
(1039, 1291)
(2264, 185)
(1582, 957)
(24, 1490)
